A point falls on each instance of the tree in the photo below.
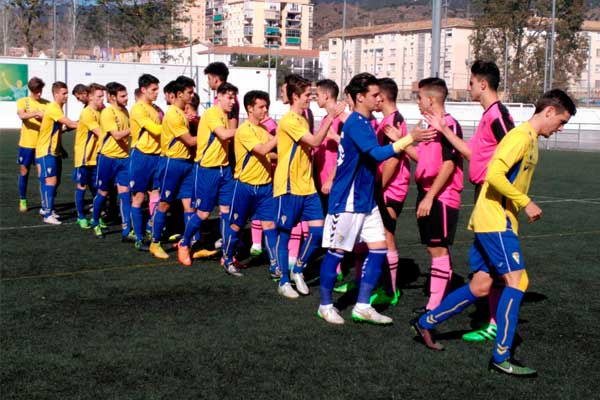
(143, 22)
(31, 21)
(521, 30)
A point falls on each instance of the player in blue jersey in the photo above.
(353, 214)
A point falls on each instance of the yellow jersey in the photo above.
(31, 126)
(145, 128)
(175, 124)
(293, 173)
(210, 150)
(86, 142)
(249, 168)
(48, 142)
(504, 192)
(113, 119)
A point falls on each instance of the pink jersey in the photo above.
(325, 156)
(432, 155)
(494, 124)
(397, 188)
(270, 125)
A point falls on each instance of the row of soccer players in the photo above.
(352, 212)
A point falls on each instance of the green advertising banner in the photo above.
(13, 81)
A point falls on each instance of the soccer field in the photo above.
(83, 318)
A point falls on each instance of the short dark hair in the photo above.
(487, 70)
(146, 80)
(95, 86)
(558, 99)
(58, 85)
(219, 69)
(137, 92)
(388, 88)
(360, 84)
(292, 78)
(227, 87)
(297, 85)
(195, 103)
(169, 87)
(80, 88)
(178, 86)
(35, 84)
(330, 87)
(435, 84)
(253, 95)
(185, 81)
(115, 87)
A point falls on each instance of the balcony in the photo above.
(294, 8)
(296, 33)
(248, 14)
(272, 14)
(272, 43)
(218, 18)
(293, 41)
(248, 31)
(272, 31)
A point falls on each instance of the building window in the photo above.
(597, 70)
(391, 67)
(334, 42)
(597, 52)
(597, 85)
(392, 53)
(333, 56)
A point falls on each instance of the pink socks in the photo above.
(441, 273)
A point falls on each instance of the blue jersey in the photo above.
(353, 188)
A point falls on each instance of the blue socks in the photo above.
(370, 274)
(310, 245)
(160, 218)
(283, 238)
(329, 275)
(229, 243)
(452, 304)
(125, 205)
(23, 186)
(79, 204)
(98, 205)
(49, 189)
(192, 226)
(137, 217)
(271, 245)
(507, 317)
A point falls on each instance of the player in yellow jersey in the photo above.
(176, 179)
(294, 189)
(112, 161)
(87, 143)
(496, 250)
(145, 153)
(30, 110)
(253, 191)
(47, 150)
(213, 181)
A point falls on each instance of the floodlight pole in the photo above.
(54, 36)
(436, 31)
(550, 75)
(343, 80)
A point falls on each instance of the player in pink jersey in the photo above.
(493, 126)
(439, 179)
(393, 179)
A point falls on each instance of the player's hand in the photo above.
(424, 207)
(326, 187)
(420, 134)
(392, 132)
(533, 212)
(39, 115)
(340, 107)
(435, 121)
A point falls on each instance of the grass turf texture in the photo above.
(88, 319)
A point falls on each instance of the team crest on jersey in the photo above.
(283, 219)
(99, 183)
(198, 203)
(49, 170)
(235, 215)
(131, 183)
(167, 193)
(516, 257)
(21, 159)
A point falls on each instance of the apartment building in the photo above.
(259, 23)
(587, 88)
(402, 51)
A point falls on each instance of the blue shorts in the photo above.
(251, 201)
(496, 253)
(292, 209)
(143, 171)
(213, 186)
(176, 180)
(50, 166)
(159, 171)
(111, 171)
(85, 175)
(26, 156)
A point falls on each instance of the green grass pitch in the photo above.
(83, 318)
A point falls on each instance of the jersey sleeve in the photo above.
(294, 128)
(247, 138)
(501, 128)
(22, 104)
(55, 113)
(143, 119)
(87, 119)
(508, 154)
(108, 121)
(213, 119)
(178, 125)
(449, 153)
